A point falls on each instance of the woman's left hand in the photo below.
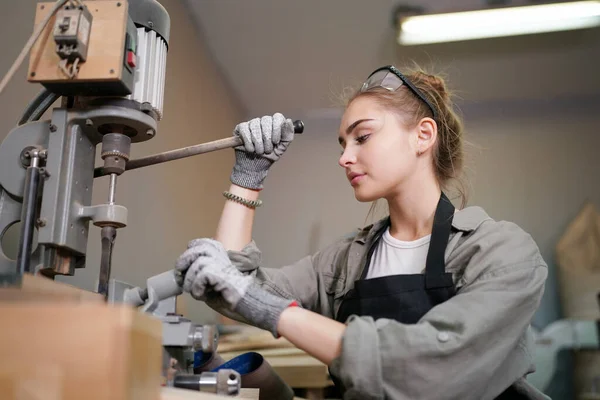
(208, 272)
(206, 266)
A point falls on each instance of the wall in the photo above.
(168, 204)
(532, 162)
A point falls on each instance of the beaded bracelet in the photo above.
(238, 199)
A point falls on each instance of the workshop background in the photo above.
(530, 105)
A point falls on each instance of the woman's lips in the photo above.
(356, 178)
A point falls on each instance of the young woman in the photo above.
(428, 303)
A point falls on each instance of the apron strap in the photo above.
(371, 250)
(435, 267)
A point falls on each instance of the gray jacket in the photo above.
(472, 346)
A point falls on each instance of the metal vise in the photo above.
(181, 337)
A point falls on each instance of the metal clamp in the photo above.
(205, 338)
(180, 332)
(105, 215)
(161, 287)
(224, 382)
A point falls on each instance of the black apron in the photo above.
(406, 298)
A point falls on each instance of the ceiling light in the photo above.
(497, 22)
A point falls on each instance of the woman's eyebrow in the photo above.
(355, 124)
(352, 127)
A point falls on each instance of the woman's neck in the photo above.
(412, 211)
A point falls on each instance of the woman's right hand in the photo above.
(264, 141)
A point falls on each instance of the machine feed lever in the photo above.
(177, 154)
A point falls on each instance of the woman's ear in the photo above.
(426, 135)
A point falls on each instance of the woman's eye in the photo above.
(361, 139)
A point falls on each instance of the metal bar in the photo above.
(177, 154)
(112, 188)
(28, 214)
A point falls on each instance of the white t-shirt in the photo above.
(397, 257)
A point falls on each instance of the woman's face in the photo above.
(379, 153)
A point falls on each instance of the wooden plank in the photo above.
(45, 288)
(79, 351)
(16, 294)
(578, 259)
(248, 393)
(168, 393)
(254, 345)
(301, 371)
(182, 394)
(27, 379)
(277, 352)
(250, 338)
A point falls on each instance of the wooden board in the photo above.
(66, 351)
(105, 49)
(301, 371)
(181, 394)
(250, 338)
(578, 259)
(39, 288)
(277, 352)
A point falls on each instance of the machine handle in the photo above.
(177, 154)
(298, 126)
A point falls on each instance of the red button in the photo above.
(131, 59)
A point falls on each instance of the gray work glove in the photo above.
(208, 272)
(265, 140)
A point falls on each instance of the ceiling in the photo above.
(298, 56)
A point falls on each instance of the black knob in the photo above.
(298, 126)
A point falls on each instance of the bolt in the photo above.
(43, 154)
(52, 128)
(89, 122)
(41, 222)
(27, 154)
(150, 132)
(150, 24)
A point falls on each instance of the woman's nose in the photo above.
(347, 158)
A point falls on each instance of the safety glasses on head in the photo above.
(390, 78)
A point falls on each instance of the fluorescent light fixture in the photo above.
(497, 22)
